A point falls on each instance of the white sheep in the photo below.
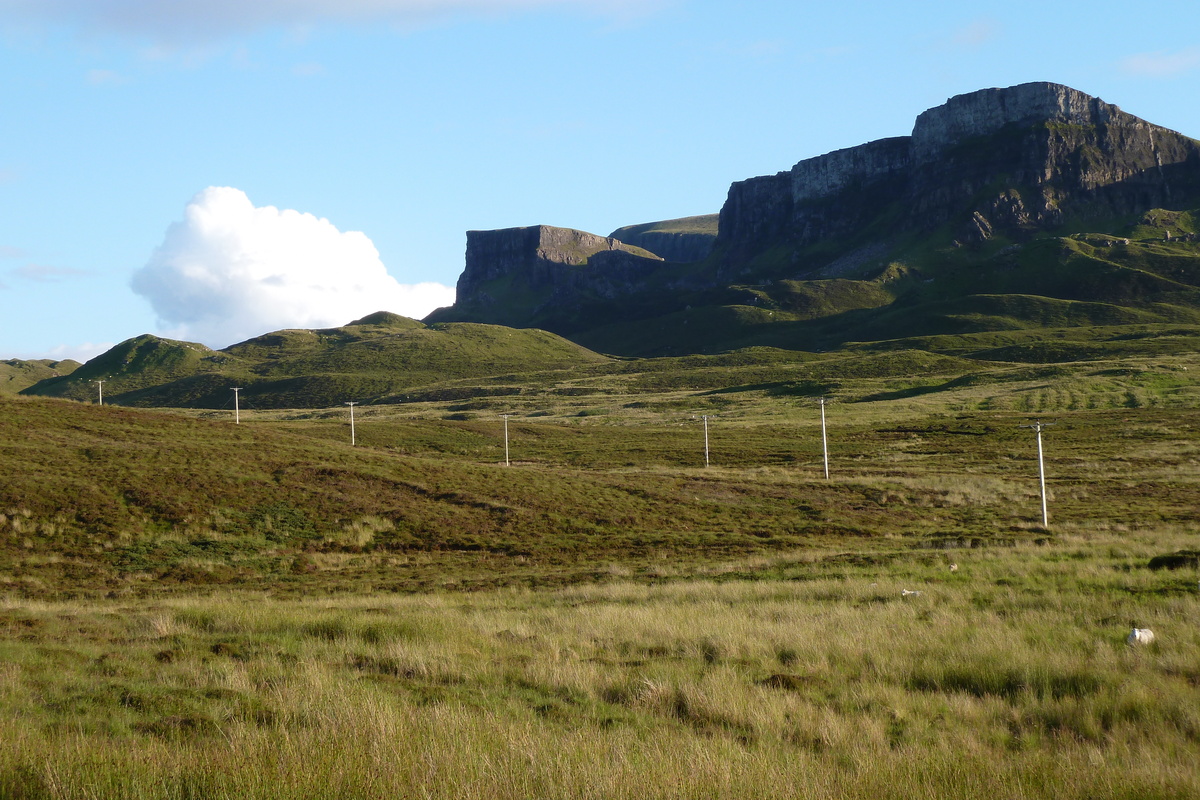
(910, 593)
(953, 567)
(1141, 636)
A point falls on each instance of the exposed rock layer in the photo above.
(997, 160)
(516, 275)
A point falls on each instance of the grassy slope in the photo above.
(378, 356)
(610, 455)
(16, 374)
(1129, 274)
(705, 224)
(197, 609)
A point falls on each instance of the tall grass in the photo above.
(1008, 677)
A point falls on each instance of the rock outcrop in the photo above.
(1006, 161)
(537, 276)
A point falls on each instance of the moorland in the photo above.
(201, 608)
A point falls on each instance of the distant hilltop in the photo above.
(1009, 163)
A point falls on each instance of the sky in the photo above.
(211, 170)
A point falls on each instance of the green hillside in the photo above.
(704, 224)
(16, 374)
(608, 468)
(1133, 275)
(371, 358)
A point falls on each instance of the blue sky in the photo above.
(324, 124)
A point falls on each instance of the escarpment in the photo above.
(539, 275)
(998, 165)
(1013, 160)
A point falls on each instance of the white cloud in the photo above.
(1162, 65)
(230, 271)
(203, 20)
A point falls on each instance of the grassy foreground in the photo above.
(1008, 678)
(192, 608)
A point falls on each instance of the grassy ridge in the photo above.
(377, 356)
(16, 374)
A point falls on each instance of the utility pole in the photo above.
(237, 415)
(1039, 426)
(352, 404)
(705, 418)
(507, 463)
(100, 388)
(824, 439)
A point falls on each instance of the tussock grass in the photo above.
(1009, 677)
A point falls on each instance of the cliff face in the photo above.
(541, 274)
(999, 162)
(681, 240)
(1010, 160)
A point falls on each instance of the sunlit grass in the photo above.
(1013, 669)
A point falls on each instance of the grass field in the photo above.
(1009, 677)
(197, 609)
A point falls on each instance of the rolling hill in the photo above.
(372, 358)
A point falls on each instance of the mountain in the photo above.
(1029, 206)
(376, 358)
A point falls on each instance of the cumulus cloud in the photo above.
(1162, 65)
(198, 20)
(230, 271)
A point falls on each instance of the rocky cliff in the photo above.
(538, 276)
(1010, 161)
